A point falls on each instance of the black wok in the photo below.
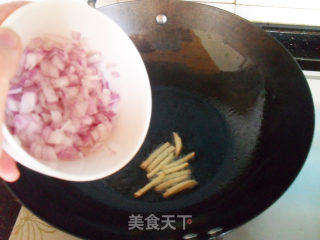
(236, 97)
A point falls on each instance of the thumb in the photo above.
(10, 53)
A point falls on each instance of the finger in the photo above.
(8, 8)
(8, 168)
(10, 52)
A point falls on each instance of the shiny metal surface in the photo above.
(161, 19)
(215, 232)
(190, 236)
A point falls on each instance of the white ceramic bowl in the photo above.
(131, 126)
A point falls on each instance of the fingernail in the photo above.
(8, 39)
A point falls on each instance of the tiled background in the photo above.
(299, 12)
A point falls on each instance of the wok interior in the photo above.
(217, 108)
(222, 135)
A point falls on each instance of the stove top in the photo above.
(303, 42)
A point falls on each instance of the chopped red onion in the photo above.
(28, 102)
(60, 105)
